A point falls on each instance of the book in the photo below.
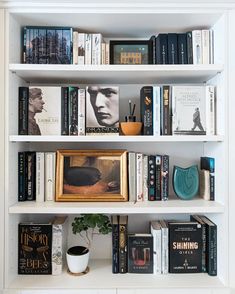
(190, 47)
(145, 178)
(59, 244)
(151, 178)
(73, 111)
(156, 110)
(31, 175)
(161, 49)
(158, 177)
(166, 111)
(22, 177)
(165, 177)
(64, 111)
(34, 249)
(115, 244)
(208, 164)
(156, 232)
(172, 48)
(88, 50)
(185, 247)
(75, 47)
(205, 184)
(197, 46)
(211, 246)
(96, 48)
(81, 112)
(182, 49)
(139, 177)
(210, 110)
(50, 164)
(40, 177)
(132, 175)
(44, 111)
(146, 109)
(140, 253)
(102, 110)
(189, 110)
(205, 46)
(123, 254)
(81, 48)
(165, 247)
(23, 111)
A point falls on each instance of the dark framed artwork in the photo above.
(131, 52)
(91, 175)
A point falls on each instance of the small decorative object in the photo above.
(131, 127)
(86, 226)
(131, 52)
(186, 182)
(91, 175)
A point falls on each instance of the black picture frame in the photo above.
(146, 44)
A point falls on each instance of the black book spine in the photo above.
(158, 177)
(123, 248)
(182, 49)
(212, 250)
(212, 187)
(42, 46)
(22, 195)
(172, 49)
(165, 177)
(190, 47)
(73, 111)
(31, 175)
(161, 49)
(146, 109)
(24, 37)
(23, 111)
(64, 111)
(153, 44)
(151, 178)
(115, 248)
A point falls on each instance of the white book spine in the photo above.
(103, 54)
(88, 43)
(40, 177)
(81, 112)
(145, 177)
(157, 249)
(205, 184)
(205, 46)
(139, 177)
(96, 48)
(107, 60)
(156, 110)
(132, 176)
(165, 267)
(81, 48)
(75, 47)
(210, 110)
(197, 46)
(50, 160)
(211, 32)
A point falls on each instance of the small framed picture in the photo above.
(91, 175)
(131, 52)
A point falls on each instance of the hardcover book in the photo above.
(161, 49)
(102, 110)
(44, 111)
(185, 247)
(140, 253)
(156, 232)
(123, 258)
(208, 164)
(115, 244)
(172, 48)
(189, 110)
(34, 249)
(146, 109)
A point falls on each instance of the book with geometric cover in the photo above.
(189, 110)
(185, 247)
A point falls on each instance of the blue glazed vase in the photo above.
(186, 182)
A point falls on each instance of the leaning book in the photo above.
(34, 249)
(102, 110)
(189, 110)
(44, 111)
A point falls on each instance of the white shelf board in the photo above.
(123, 74)
(101, 273)
(77, 139)
(161, 207)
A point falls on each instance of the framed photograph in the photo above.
(131, 52)
(91, 175)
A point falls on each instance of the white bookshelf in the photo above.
(134, 22)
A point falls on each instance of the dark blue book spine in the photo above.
(182, 49)
(67, 46)
(31, 175)
(59, 37)
(165, 177)
(212, 250)
(115, 248)
(146, 109)
(190, 47)
(42, 46)
(51, 58)
(151, 178)
(161, 49)
(23, 111)
(172, 49)
(35, 46)
(158, 177)
(73, 111)
(65, 111)
(31, 47)
(22, 193)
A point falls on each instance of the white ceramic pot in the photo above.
(77, 259)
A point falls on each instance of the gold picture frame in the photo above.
(91, 175)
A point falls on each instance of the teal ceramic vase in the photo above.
(186, 182)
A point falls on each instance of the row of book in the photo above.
(42, 247)
(170, 247)
(36, 176)
(194, 47)
(178, 110)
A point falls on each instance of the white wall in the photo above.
(1, 143)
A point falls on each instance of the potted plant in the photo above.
(86, 226)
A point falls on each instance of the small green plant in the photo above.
(87, 225)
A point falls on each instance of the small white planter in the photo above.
(77, 259)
